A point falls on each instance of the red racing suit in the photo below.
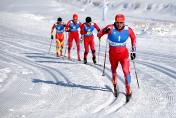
(118, 51)
(87, 32)
(59, 36)
(72, 28)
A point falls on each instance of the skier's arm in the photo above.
(105, 30)
(82, 32)
(52, 29)
(133, 43)
(67, 27)
(80, 24)
(133, 39)
(96, 27)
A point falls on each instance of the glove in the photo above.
(82, 38)
(52, 37)
(99, 35)
(68, 30)
(107, 30)
(133, 55)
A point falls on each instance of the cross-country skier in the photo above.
(118, 35)
(72, 27)
(87, 29)
(59, 26)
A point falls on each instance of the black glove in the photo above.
(107, 30)
(133, 55)
(52, 37)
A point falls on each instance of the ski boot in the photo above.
(57, 54)
(61, 53)
(128, 97)
(85, 60)
(94, 60)
(128, 93)
(79, 59)
(115, 90)
(69, 55)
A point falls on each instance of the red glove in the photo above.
(99, 34)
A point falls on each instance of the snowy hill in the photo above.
(166, 9)
(35, 84)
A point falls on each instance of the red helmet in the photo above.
(75, 16)
(119, 18)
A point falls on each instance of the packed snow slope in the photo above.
(35, 84)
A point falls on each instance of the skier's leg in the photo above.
(114, 63)
(93, 49)
(125, 67)
(77, 40)
(86, 47)
(70, 40)
(57, 47)
(61, 44)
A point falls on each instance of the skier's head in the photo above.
(119, 21)
(120, 18)
(88, 21)
(75, 17)
(59, 19)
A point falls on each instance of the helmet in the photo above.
(75, 16)
(88, 19)
(119, 18)
(59, 19)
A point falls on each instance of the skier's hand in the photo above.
(107, 30)
(133, 55)
(99, 35)
(52, 37)
(67, 30)
(82, 38)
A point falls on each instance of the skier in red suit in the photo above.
(87, 29)
(72, 27)
(118, 35)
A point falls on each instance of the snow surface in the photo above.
(35, 84)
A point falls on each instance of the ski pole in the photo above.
(136, 73)
(50, 46)
(105, 60)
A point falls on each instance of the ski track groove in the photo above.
(162, 89)
(159, 68)
(108, 76)
(28, 48)
(48, 70)
(41, 67)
